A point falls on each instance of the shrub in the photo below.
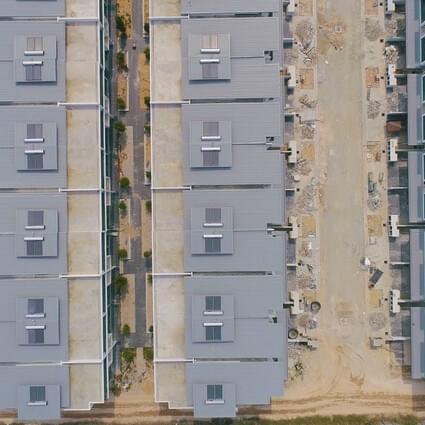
(148, 175)
(148, 206)
(147, 129)
(120, 103)
(119, 126)
(147, 101)
(126, 330)
(149, 278)
(128, 355)
(120, 23)
(122, 206)
(122, 66)
(122, 254)
(148, 354)
(146, 27)
(121, 283)
(124, 183)
(147, 53)
(147, 254)
(151, 329)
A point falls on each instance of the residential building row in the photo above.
(218, 194)
(56, 315)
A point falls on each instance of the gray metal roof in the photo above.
(416, 187)
(16, 58)
(14, 317)
(248, 304)
(415, 109)
(249, 246)
(413, 33)
(245, 138)
(417, 291)
(242, 71)
(14, 388)
(41, 8)
(245, 383)
(14, 233)
(14, 122)
(229, 6)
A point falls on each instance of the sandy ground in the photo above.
(346, 376)
(144, 80)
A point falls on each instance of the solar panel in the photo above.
(36, 306)
(210, 158)
(213, 303)
(37, 393)
(34, 131)
(35, 336)
(35, 161)
(212, 245)
(210, 129)
(213, 333)
(213, 215)
(34, 248)
(35, 218)
(210, 71)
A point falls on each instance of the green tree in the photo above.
(119, 126)
(120, 103)
(147, 53)
(126, 330)
(122, 206)
(124, 183)
(148, 206)
(146, 27)
(122, 254)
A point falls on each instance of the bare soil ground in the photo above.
(124, 8)
(306, 78)
(305, 7)
(372, 77)
(144, 80)
(122, 86)
(371, 7)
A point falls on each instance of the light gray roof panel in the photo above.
(14, 380)
(252, 211)
(413, 33)
(13, 311)
(416, 186)
(13, 122)
(12, 72)
(252, 125)
(254, 299)
(13, 263)
(32, 8)
(254, 384)
(250, 75)
(417, 291)
(229, 6)
(415, 109)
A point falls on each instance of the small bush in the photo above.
(148, 354)
(124, 183)
(128, 355)
(114, 388)
(120, 103)
(122, 66)
(148, 175)
(122, 254)
(126, 330)
(146, 27)
(119, 126)
(147, 254)
(148, 206)
(149, 278)
(147, 101)
(151, 329)
(121, 284)
(120, 23)
(147, 129)
(122, 206)
(147, 53)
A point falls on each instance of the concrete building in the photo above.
(56, 320)
(415, 57)
(218, 191)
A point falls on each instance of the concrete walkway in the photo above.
(135, 118)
